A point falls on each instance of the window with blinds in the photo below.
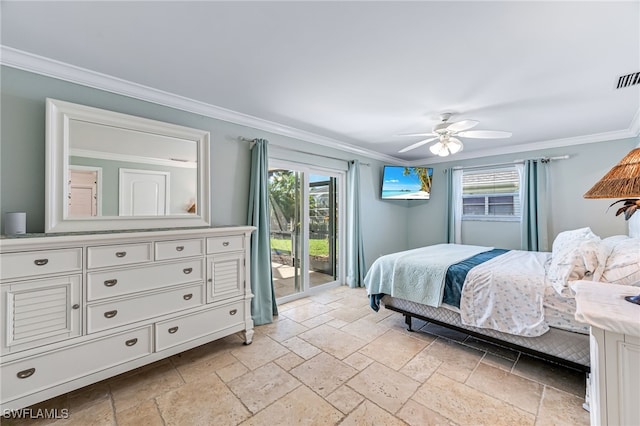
(491, 194)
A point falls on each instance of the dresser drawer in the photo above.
(224, 244)
(122, 254)
(104, 315)
(53, 368)
(31, 263)
(180, 330)
(179, 249)
(111, 283)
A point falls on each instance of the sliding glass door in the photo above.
(306, 233)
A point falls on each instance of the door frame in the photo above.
(341, 186)
(98, 171)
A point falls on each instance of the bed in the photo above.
(518, 299)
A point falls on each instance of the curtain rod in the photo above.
(542, 159)
(243, 139)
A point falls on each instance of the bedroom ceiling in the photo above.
(360, 73)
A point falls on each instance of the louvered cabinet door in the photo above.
(39, 312)
(225, 276)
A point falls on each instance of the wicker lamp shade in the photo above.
(623, 180)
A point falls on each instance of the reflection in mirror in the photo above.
(107, 170)
(143, 174)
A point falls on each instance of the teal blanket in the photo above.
(417, 275)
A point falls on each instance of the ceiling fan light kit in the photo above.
(444, 131)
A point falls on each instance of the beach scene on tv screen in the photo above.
(407, 183)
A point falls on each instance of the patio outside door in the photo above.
(305, 237)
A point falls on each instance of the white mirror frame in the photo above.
(58, 114)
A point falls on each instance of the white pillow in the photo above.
(623, 264)
(576, 255)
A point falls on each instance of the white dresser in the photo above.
(77, 309)
(615, 351)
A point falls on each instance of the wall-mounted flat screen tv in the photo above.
(406, 183)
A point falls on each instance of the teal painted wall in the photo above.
(568, 180)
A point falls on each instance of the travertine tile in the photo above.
(358, 361)
(282, 329)
(467, 406)
(129, 391)
(498, 362)
(260, 352)
(291, 305)
(561, 409)
(263, 386)
(345, 399)
(440, 331)
(307, 311)
(518, 391)
(404, 348)
(89, 395)
(232, 371)
(337, 323)
(289, 361)
(491, 348)
(300, 406)
(565, 379)
(301, 348)
(323, 373)
(365, 330)
(369, 414)
(350, 314)
(146, 414)
(384, 386)
(98, 414)
(458, 361)
(418, 415)
(208, 350)
(334, 341)
(421, 367)
(206, 402)
(206, 365)
(318, 320)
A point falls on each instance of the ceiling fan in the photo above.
(445, 132)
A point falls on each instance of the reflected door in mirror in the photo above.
(144, 193)
(83, 193)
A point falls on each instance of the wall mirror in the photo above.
(111, 171)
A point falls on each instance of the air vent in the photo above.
(628, 80)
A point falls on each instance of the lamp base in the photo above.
(633, 299)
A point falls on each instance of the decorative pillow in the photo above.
(576, 255)
(623, 264)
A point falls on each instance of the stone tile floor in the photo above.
(329, 359)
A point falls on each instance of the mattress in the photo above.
(557, 342)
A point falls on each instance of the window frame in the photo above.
(487, 217)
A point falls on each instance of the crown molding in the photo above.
(25, 61)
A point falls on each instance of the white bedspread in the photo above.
(506, 294)
(417, 275)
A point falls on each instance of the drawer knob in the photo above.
(173, 330)
(41, 262)
(110, 314)
(26, 373)
(225, 244)
(110, 283)
(121, 253)
(131, 342)
(187, 296)
(76, 306)
(187, 270)
(233, 312)
(179, 248)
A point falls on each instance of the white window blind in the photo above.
(491, 194)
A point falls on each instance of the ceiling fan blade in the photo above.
(417, 134)
(484, 134)
(417, 144)
(460, 126)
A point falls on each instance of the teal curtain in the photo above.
(263, 304)
(355, 248)
(454, 206)
(533, 200)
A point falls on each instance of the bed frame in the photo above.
(557, 346)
